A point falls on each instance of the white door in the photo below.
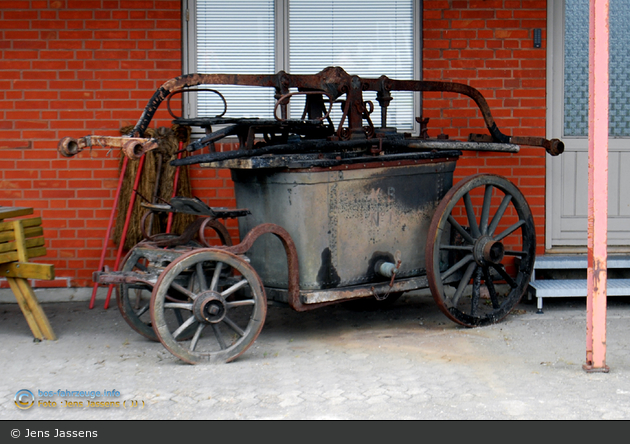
(567, 174)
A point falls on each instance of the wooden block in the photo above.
(26, 311)
(27, 270)
(36, 309)
(20, 239)
(7, 212)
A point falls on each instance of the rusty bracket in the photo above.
(133, 147)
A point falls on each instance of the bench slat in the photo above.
(30, 243)
(7, 236)
(27, 270)
(13, 256)
(7, 212)
(26, 223)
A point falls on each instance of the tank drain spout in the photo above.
(387, 269)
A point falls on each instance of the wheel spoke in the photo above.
(195, 339)
(460, 230)
(485, 210)
(183, 290)
(191, 283)
(457, 266)
(476, 291)
(462, 284)
(219, 336)
(178, 316)
(138, 293)
(242, 303)
(184, 326)
(493, 291)
(510, 230)
(233, 326)
(215, 277)
(504, 274)
(456, 247)
(499, 214)
(182, 305)
(201, 277)
(234, 287)
(516, 253)
(143, 310)
(470, 213)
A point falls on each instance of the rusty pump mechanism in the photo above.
(315, 130)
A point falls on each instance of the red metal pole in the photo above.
(123, 169)
(597, 188)
(175, 180)
(123, 237)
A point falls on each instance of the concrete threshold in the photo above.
(47, 295)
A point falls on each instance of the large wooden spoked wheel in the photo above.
(219, 293)
(480, 250)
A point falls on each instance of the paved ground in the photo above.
(408, 362)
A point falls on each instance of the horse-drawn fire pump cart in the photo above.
(327, 212)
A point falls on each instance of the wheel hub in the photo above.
(209, 307)
(488, 251)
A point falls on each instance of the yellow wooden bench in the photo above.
(21, 240)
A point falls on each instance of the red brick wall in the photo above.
(72, 68)
(488, 44)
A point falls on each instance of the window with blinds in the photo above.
(236, 38)
(366, 38)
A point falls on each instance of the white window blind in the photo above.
(236, 37)
(366, 38)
